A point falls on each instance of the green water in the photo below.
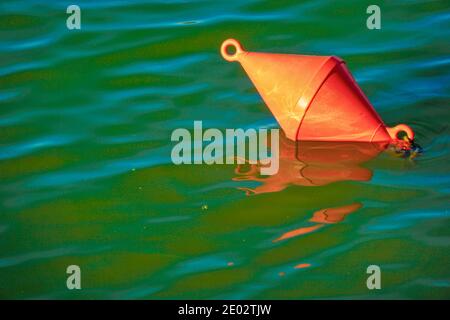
(86, 176)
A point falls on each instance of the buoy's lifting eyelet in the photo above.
(231, 43)
(394, 131)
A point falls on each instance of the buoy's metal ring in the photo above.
(394, 131)
(231, 43)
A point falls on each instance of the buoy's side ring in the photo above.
(228, 43)
(393, 132)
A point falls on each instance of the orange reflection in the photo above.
(322, 217)
(302, 266)
(334, 215)
(307, 163)
(297, 232)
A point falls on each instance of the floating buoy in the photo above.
(313, 98)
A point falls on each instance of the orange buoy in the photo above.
(313, 98)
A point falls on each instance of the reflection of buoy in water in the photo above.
(312, 163)
(334, 215)
(322, 217)
(313, 98)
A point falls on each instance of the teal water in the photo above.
(86, 176)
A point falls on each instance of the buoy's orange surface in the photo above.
(313, 98)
